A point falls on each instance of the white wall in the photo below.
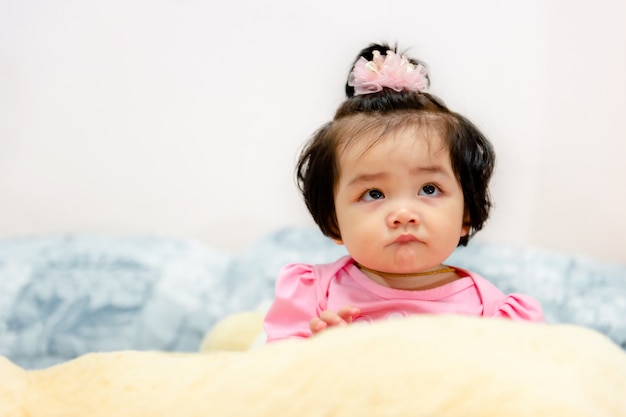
(185, 117)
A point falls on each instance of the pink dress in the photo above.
(304, 291)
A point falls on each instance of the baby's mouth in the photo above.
(406, 238)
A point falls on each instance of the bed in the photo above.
(64, 298)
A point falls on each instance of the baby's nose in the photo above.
(403, 216)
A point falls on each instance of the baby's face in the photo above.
(399, 206)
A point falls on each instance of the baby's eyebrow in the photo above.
(366, 178)
(435, 169)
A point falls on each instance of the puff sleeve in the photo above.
(296, 302)
(520, 307)
(514, 306)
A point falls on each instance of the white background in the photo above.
(185, 117)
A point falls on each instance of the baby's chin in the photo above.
(409, 264)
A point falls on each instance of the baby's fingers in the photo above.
(332, 319)
(349, 313)
(317, 325)
(329, 318)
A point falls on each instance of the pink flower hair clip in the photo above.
(391, 71)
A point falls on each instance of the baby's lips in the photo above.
(407, 237)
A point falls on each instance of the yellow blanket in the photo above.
(439, 366)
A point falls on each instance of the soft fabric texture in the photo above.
(238, 332)
(67, 295)
(443, 366)
(303, 291)
(62, 296)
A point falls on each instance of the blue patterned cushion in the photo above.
(63, 296)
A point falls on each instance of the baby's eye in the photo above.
(371, 195)
(429, 190)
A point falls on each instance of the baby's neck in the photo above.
(412, 281)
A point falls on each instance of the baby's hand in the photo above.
(328, 318)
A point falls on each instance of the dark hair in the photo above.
(471, 154)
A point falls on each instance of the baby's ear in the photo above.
(337, 236)
(466, 225)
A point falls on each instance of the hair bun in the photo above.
(371, 52)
